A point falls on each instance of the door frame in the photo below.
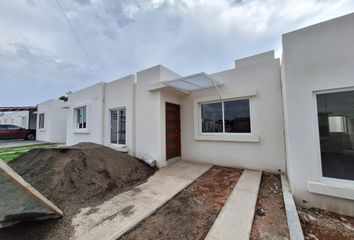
(318, 169)
(178, 107)
(118, 128)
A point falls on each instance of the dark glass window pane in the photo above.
(13, 127)
(41, 120)
(237, 116)
(81, 117)
(212, 117)
(84, 116)
(114, 126)
(336, 128)
(122, 128)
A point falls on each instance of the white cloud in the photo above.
(41, 58)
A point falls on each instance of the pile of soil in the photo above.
(192, 212)
(270, 218)
(319, 224)
(74, 177)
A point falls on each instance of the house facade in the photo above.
(16, 118)
(318, 97)
(51, 121)
(24, 117)
(294, 117)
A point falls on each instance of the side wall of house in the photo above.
(55, 119)
(58, 121)
(316, 58)
(120, 94)
(256, 78)
(91, 97)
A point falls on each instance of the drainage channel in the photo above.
(270, 219)
(192, 212)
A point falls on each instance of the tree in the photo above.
(63, 98)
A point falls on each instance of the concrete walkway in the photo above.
(18, 143)
(236, 217)
(120, 214)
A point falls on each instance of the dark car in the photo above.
(15, 132)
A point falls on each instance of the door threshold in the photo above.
(173, 160)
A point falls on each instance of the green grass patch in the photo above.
(9, 154)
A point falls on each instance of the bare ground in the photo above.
(74, 177)
(191, 213)
(319, 224)
(270, 218)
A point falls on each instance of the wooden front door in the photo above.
(173, 131)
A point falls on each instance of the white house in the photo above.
(103, 113)
(85, 115)
(16, 118)
(142, 116)
(24, 117)
(294, 117)
(51, 121)
(318, 96)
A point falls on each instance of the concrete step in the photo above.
(236, 217)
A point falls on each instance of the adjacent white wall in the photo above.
(316, 58)
(120, 93)
(16, 118)
(258, 78)
(92, 97)
(150, 119)
(55, 119)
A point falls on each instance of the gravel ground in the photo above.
(270, 219)
(323, 225)
(191, 213)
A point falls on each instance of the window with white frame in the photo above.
(41, 121)
(118, 125)
(335, 113)
(228, 116)
(81, 117)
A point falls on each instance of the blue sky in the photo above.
(41, 58)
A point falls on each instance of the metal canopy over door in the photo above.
(173, 131)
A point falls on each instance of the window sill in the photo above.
(331, 189)
(81, 131)
(119, 147)
(228, 138)
(42, 130)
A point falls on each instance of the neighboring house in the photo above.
(103, 113)
(24, 117)
(318, 90)
(297, 117)
(16, 118)
(51, 121)
(85, 115)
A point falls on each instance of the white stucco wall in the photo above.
(258, 78)
(16, 118)
(150, 120)
(55, 120)
(120, 93)
(316, 58)
(92, 97)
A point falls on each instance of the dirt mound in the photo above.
(80, 173)
(83, 175)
